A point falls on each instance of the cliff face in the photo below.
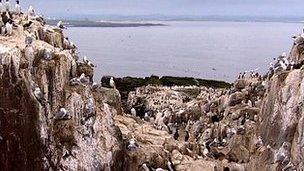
(31, 137)
(281, 117)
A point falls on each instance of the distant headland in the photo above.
(88, 23)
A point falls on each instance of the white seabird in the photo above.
(17, 8)
(9, 28)
(2, 27)
(146, 117)
(283, 65)
(31, 11)
(112, 83)
(48, 55)
(88, 62)
(259, 142)
(282, 156)
(83, 78)
(133, 112)
(89, 106)
(68, 44)
(95, 85)
(62, 114)
(38, 93)
(60, 25)
(145, 167)
(170, 166)
(159, 169)
(74, 81)
(132, 145)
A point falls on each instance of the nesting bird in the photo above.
(112, 83)
(68, 44)
(133, 112)
(259, 142)
(170, 166)
(145, 167)
(89, 107)
(2, 27)
(31, 11)
(39, 95)
(83, 79)
(88, 62)
(62, 114)
(17, 8)
(74, 81)
(48, 55)
(132, 145)
(282, 156)
(60, 25)
(95, 85)
(9, 28)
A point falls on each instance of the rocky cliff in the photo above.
(34, 85)
(53, 117)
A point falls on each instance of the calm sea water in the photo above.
(212, 50)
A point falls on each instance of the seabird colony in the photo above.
(8, 27)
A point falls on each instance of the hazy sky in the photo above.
(168, 7)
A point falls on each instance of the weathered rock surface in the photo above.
(31, 139)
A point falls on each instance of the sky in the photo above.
(67, 8)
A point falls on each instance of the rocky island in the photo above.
(54, 117)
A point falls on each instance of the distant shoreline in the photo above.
(76, 23)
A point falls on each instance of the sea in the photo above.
(200, 49)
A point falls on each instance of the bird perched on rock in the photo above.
(206, 152)
(241, 130)
(159, 169)
(112, 83)
(282, 156)
(31, 11)
(88, 62)
(74, 81)
(83, 79)
(95, 86)
(259, 142)
(2, 28)
(170, 166)
(48, 55)
(146, 168)
(60, 25)
(146, 117)
(298, 40)
(68, 44)
(133, 112)
(89, 108)
(132, 145)
(39, 95)
(9, 28)
(17, 8)
(62, 114)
